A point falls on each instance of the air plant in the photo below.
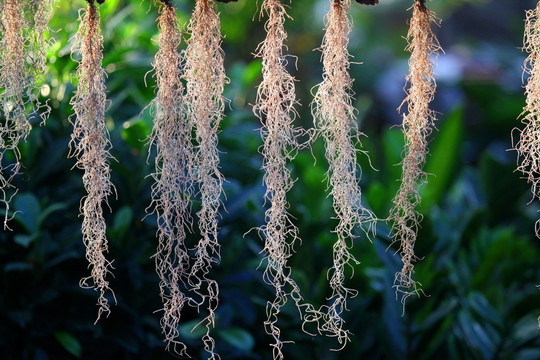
(418, 121)
(528, 146)
(23, 25)
(173, 185)
(335, 122)
(205, 78)
(275, 108)
(90, 145)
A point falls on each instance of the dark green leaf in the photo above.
(70, 343)
(239, 338)
(444, 157)
(28, 211)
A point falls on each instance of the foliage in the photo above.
(480, 256)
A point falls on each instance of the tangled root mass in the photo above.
(418, 123)
(275, 108)
(173, 187)
(90, 145)
(205, 78)
(528, 145)
(335, 122)
(23, 42)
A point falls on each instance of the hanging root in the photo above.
(205, 78)
(528, 146)
(39, 13)
(90, 145)
(22, 62)
(335, 121)
(275, 108)
(417, 126)
(172, 189)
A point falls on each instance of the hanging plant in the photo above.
(275, 108)
(335, 122)
(418, 123)
(173, 186)
(23, 25)
(90, 145)
(205, 78)
(528, 146)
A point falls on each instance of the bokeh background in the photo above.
(480, 261)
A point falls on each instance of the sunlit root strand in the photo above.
(172, 188)
(90, 145)
(528, 145)
(22, 64)
(418, 123)
(335, 122)
(13, 81)
(275, 108)
(39, 13)
(205, 80)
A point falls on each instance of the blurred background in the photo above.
(480, 257)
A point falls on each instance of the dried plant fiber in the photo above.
(274, 107)
(173, 186)
(204, 74)
(90, 145)
(335, 122)
(418, 121)
(23, 43)
(528, 145)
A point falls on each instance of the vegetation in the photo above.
(336, 123)
(477, 239)
(418, 122)
(91, 146)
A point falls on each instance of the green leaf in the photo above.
(445, 156)
(28, 211)
(528, 354)
(377, 196)
(393, 143)
(192, 330)
(25, 240)
(122, 220)
(135, 133)
(251, 72)
(49, 210)
(239, 338)
(475, 336)
(69, 342)
(17, 266)
(483, 308)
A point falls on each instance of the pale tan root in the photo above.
(418, 123)
(335, 122)
(90, 145)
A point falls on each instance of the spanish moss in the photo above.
(90, 145)
(205, 79)
(172, 188)
(418, 121)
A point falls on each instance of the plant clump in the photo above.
(335, 122)
(528, 145)
(275, 108)
(418, 121)
(205, 78)
(23, 43)
(173, 185)
(90, 145)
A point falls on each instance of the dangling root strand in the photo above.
(90, 145)
(335, 121)
(275, 108)
(172, 189)
(417, 126)
(205, 78)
